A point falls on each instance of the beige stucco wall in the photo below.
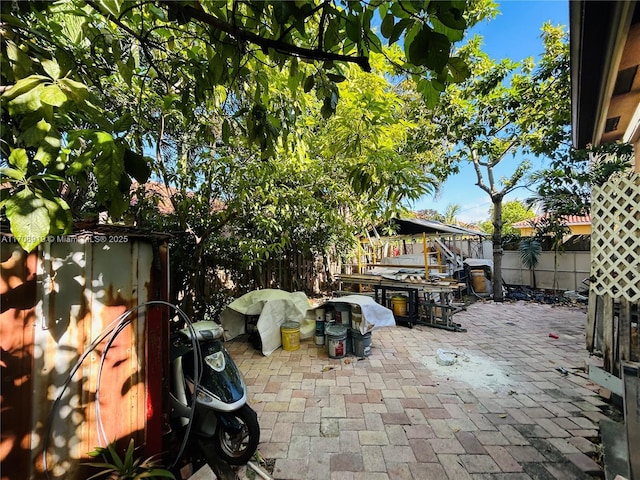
(575, 230)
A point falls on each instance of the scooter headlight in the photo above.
(203, 396)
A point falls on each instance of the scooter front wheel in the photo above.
(237, 435)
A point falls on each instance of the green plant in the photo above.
(530, 250)
(127, 468)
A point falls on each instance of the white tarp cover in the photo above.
(393, 269)
(274, 308)
(374, 315)
(479, 262)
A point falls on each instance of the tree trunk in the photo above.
(555, 270)
(497, 248)
(533, 276)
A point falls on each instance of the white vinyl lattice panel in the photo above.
(615, 238)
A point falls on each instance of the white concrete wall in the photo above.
(572, 268)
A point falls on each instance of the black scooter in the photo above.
(209, 396)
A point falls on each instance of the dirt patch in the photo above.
(476, 371)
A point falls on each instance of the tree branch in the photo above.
(142, 40)
(476, 166)
(266, 43)
(323, 18)
(499, 158)
(322, 6)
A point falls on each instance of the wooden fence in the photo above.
(296, 272)
(614, 293)
(614, 299)
(612, 329)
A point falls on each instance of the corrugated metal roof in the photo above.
(408, 226)
(569, 220)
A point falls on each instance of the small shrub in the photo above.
(127, 468)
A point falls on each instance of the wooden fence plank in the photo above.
(635, 332)
(294, 271)
(624, 330)
(607, 333)
(591, 320)
(631, 379)
(599, 324)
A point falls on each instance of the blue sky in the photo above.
(514, 34)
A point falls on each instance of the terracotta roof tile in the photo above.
(569, 220)
(164, 193)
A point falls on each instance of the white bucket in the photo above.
(337, 341)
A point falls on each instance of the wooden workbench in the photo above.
(436, 309)
(373, 280)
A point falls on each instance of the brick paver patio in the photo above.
(503, 411)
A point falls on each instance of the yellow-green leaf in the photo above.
(112, 6)
(21, 63)
(48, 149)
(28, 217)
(11, 173)
(53, 95)
(34, 134)
(73, 26)
(23, 85)
(52, 68)
(75, 90)
(19, 159)
(60, 217)
(26, 103)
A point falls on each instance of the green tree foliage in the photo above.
(366, 142)
(89, 85)
(342, 173)
(257, 212)
(449, 216)
(450, 213)
(565, 187)
(513, 211)
(503, 108)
